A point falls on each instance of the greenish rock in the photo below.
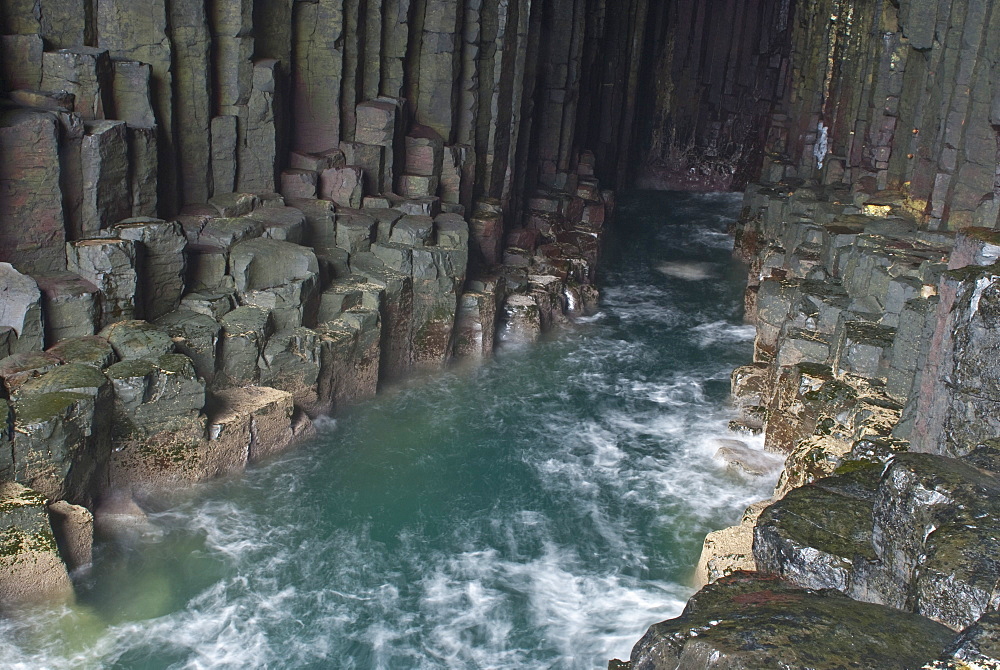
(70, 304)
(196, 336)
(396, 310)
(816, 533)
(19, 368)
(164, 265)
(277, 276)
(355, 232)
(245, 331)
(31, 570)
(153, 396)
(138, 340)
(6, 441)
(292, 361)
(92, 350)
(749, 621)
(71, 377)
(61, 444)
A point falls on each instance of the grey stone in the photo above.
(133, 340)
(21, 309)
(109, 264)
(71, 306)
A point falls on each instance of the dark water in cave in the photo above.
(538, 511)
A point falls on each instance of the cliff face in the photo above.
(222, 218)
(872, 248)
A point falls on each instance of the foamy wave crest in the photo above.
(722, 332)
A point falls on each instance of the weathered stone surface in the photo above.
(22, 59)
(299, 184)
(70, 304)
(21, 310)
(104, 154)
(73, 528)
(61, 440)
(193, 103)
(86, 73)
(277, 276)
(224, 143)
(152, 396)
(30, 192)
(133, 340)
(520, 322)
(292, 361)
(215, 304)
(17, 369)
(342, 185)
(318, 55)
(90, 350)
(245, 331)
(234, 205)
(109, 264)
(372, 161)
(196, 336)
(31, 570)
(753, 621)
(258, 151)
(130, 92)
(256, 421)
(226, 232)
(285, 224)
(163, 267)
(143, 158)
(140, 33)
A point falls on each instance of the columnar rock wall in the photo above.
(220, 219)
(714, 73)
(872, 244)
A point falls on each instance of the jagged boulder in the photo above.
(21, 310)
(750, 620)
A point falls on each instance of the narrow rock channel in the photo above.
(540, 509)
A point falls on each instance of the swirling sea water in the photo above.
(540, 510)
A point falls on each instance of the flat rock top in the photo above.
(750, 621)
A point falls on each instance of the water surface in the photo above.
(539, 511)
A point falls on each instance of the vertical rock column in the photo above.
(31, 204)
(192, 99)
(317, 59)
(138, 32)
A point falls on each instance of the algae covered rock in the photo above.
(152, 396)
(749, 621)
(91, 350)
(31, 570)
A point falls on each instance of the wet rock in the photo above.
(521, 320)
(292, 361)
(60, 449)
(817, 533)
(729, 550)
(752, 621)
(252, 424)
(73, 528)
(31, 570)
(741, 457)
(21, 309)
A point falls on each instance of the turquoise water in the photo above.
(541, 510)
